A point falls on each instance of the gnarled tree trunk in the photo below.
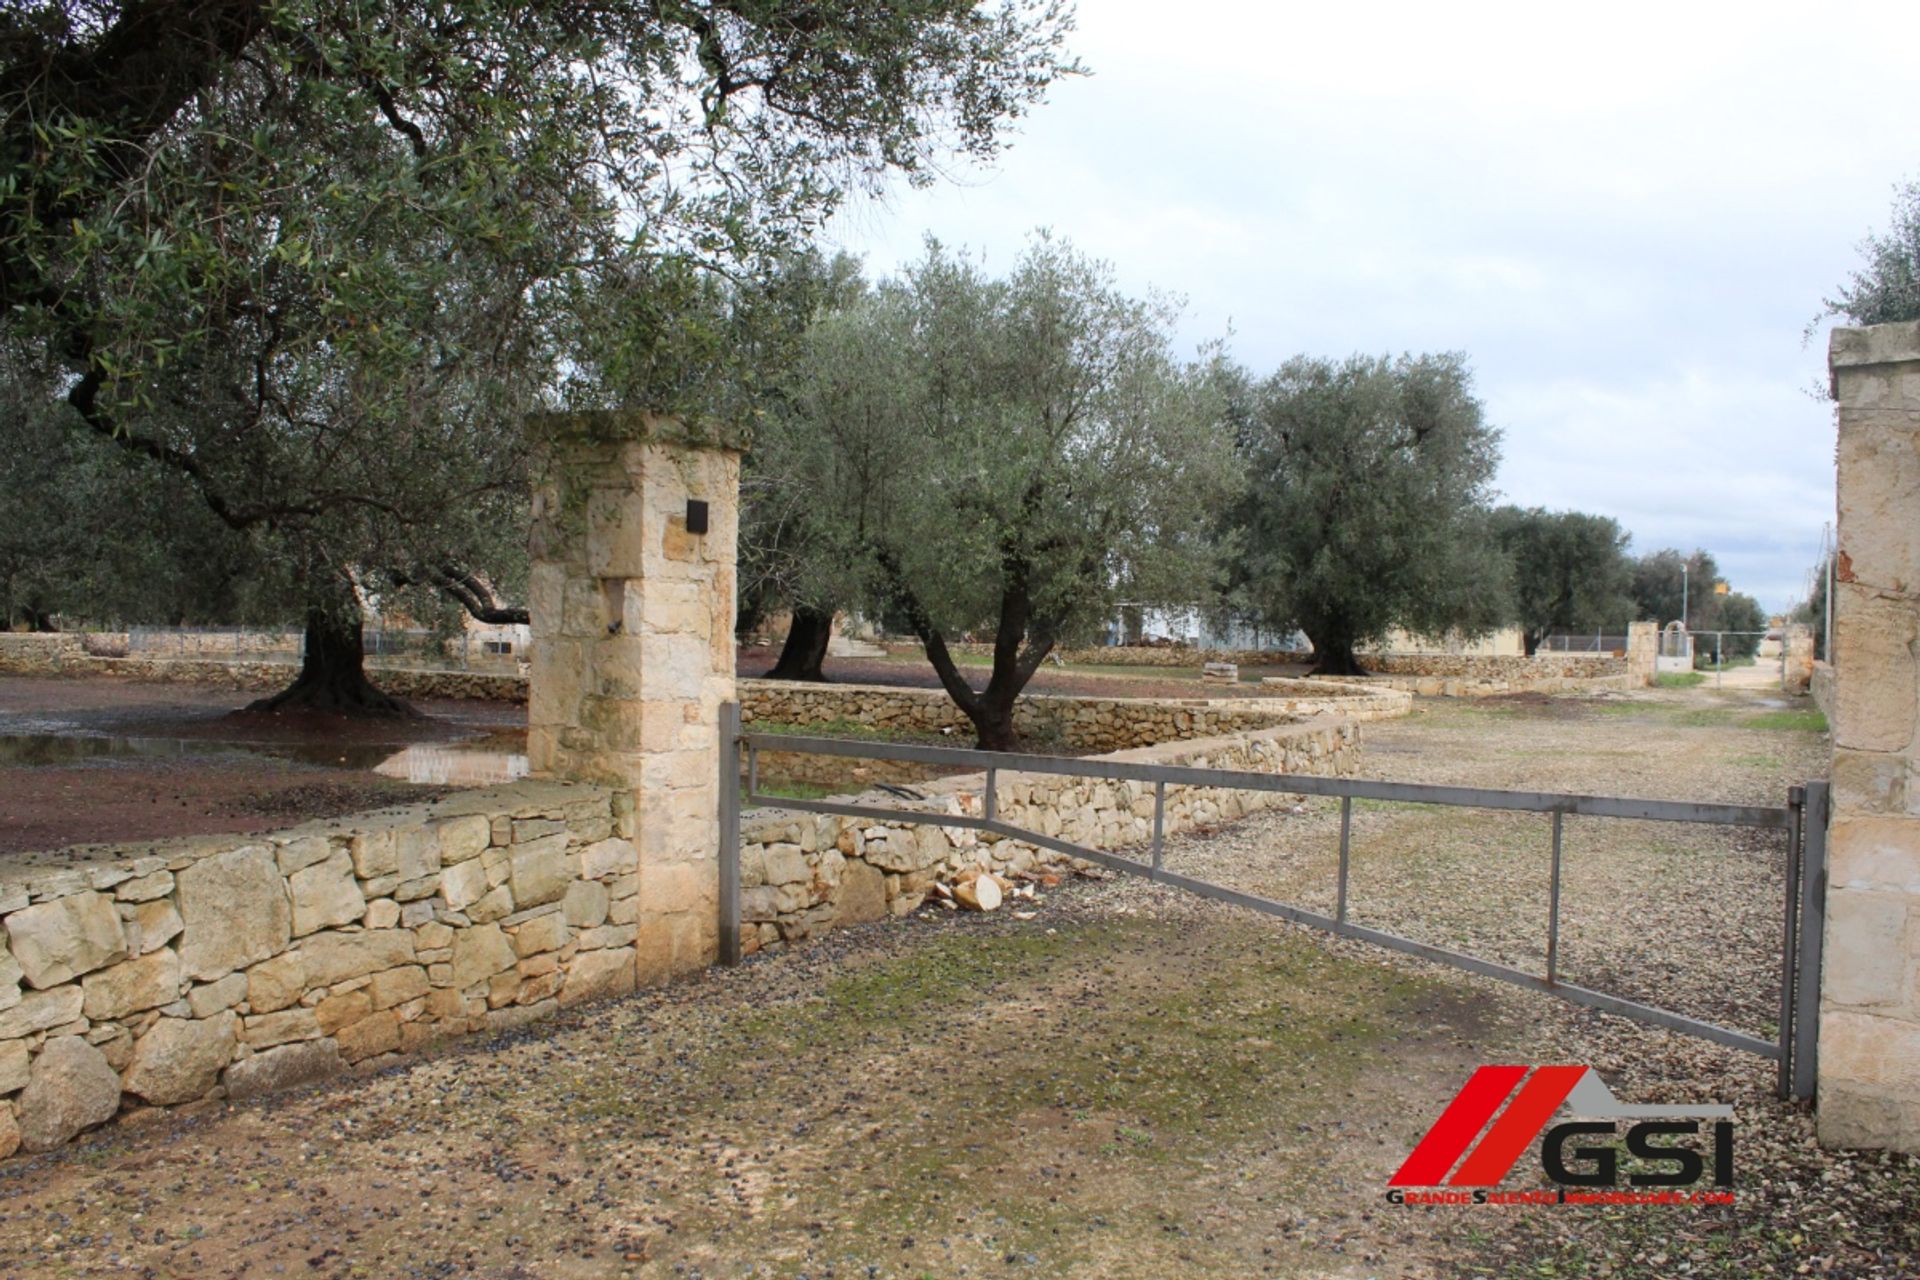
(333, 673)
(805, 650)
(1334, 656)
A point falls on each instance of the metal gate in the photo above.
(1803, 817)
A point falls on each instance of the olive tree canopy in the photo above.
(1007, 456)
(1366, 504)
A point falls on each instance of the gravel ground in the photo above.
(1130, 1083)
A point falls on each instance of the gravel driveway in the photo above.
(1131, 1083)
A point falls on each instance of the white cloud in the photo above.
(1625, 216)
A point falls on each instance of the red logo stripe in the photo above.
(1470, 1109)
(1517, 1126)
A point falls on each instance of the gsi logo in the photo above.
(1528, 1109)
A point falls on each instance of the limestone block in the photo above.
(10, 976)
(479, 953)
(1879, 458)
(586, 904)
(205, 1001)
(9, 1132)
(145, 888)
(541, 872)
(1864, 963)
(546, 932)
(41, 1010)
(1875, 853)
(419, 852)
(342, 1010)
(154, 925)
(382, 913)
(57, 941)
(235, 910)
(335, 957)
(432, 936)
(13, 1067)
(863, 894)
(1872, 1050)
(464, 837)
(375, 854)
(325, 894)
(276, 983)
(785, 864)
(129, 987)
(1870, 782)
(397, 986)
(608, 858)
(304, 852)
(1874, 647)
(180, 1059)
(265, 1030)
(283, 1068)
(496, 905)
(376, 1033)
(595, 975)
(463, 884)
(71, 1089)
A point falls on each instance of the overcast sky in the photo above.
(1625, 216)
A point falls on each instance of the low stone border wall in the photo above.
(1542, 666)
(1487, 687)
(1080, 724)
(1821, 687)
(1154, 655)
(804, 873)
(232, 966)
(1483, 676)
(66, 655)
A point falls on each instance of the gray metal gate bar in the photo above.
(1346, 858)
(1796, 839)
(1553, 905)
(1306, 784)
(1813, 919)
(729, 833)
(1804, 818)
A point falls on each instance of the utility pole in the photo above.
(1683, 596)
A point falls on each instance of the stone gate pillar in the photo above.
(635, 518)
(1869, 1058)
(1796, 665)
(1643, 651)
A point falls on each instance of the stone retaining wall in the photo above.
(66, 655)
(1543, 666)
(1078, 724)
(1821, 687)
(804, 873)
(232, 966)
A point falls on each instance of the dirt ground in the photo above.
(98, 760)
(1132, 1083)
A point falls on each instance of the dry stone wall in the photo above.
(803, 874)
(1078, 724)
(237, 965)
(66, 655)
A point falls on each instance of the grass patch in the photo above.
(802, 790)
(842, 727)
(1679, 679)
(1795, 721)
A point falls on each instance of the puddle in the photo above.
(476, 763)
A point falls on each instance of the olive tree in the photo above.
(1570, 571)
(1886, 287)
(1366, 504)
(1008, 456)
(316, 257)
